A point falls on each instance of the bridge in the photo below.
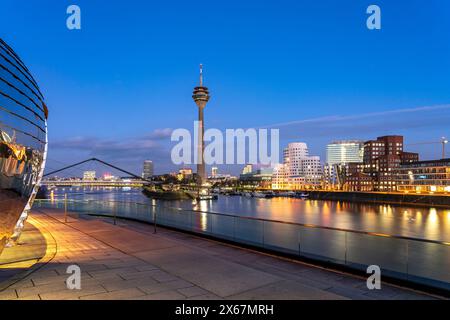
(94, 183)
(133, 181)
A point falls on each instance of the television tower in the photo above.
(201, 97)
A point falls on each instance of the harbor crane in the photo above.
(443, 142)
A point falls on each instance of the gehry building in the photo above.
(23, 142)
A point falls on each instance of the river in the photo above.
(418, 222)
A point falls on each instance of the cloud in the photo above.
(368, 125)
(149, 146)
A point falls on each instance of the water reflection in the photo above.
(419, 222)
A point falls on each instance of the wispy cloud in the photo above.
(152, 145)
(335, 118)
(401, 121)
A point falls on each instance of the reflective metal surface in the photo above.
(23, 142)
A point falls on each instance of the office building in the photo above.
(214, 172)
(148, 169)
(431, 176)
(338, 155)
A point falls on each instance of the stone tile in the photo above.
(33, 297)
(160, 287)
(72, 294)
(166, 295)
(152, 274)
(8, 294)
(216, 275)
(208, 296)
(111, 272)
(286, 290)
(349, 293)
(146, 267)
(50, 287)
(130, 293)
(192, 292)
(125, 284)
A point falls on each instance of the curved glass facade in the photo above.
(23, 142)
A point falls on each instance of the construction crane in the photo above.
(443, 142)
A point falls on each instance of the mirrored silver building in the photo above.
(23, 142)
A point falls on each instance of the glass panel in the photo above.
(173, 218)
(429, 260)
(387, 253)
(222, 226)
(323, 244)
(249, 231)
(201, 222)
(281, 236)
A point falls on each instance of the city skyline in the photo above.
(316, 70)
(242, 151)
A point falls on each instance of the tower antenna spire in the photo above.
(201, 75)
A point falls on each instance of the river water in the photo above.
(418, 222)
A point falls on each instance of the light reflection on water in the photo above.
(419, 222)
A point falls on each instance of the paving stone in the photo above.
(130, 262)
(192, 292)
(8, 294)
(130, 293)
(72, 294)
(166, 295)
(160, 287)
(124, 284)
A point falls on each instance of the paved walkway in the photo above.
(128, 261)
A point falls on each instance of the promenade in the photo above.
(129, 261)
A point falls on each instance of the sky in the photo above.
(118, 87)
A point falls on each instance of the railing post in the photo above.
(154, 220)
(346, 248)
(65, 207)
(115, 213)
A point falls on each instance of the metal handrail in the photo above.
(376, 234)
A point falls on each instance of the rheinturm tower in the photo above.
(201, 97)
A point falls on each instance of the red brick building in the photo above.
(381, 158)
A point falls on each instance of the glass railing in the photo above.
(422, 261)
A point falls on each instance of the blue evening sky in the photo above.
(114, 86)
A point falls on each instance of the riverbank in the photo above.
(383, 198)
(130, 261)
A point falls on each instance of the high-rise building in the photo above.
(339, 155)
(148, 170)
(89, 175)
(345, 151)
(381, 158)
(23, 142)
(299, 170)
(201, 98)
(214, 172)
(293, 155)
